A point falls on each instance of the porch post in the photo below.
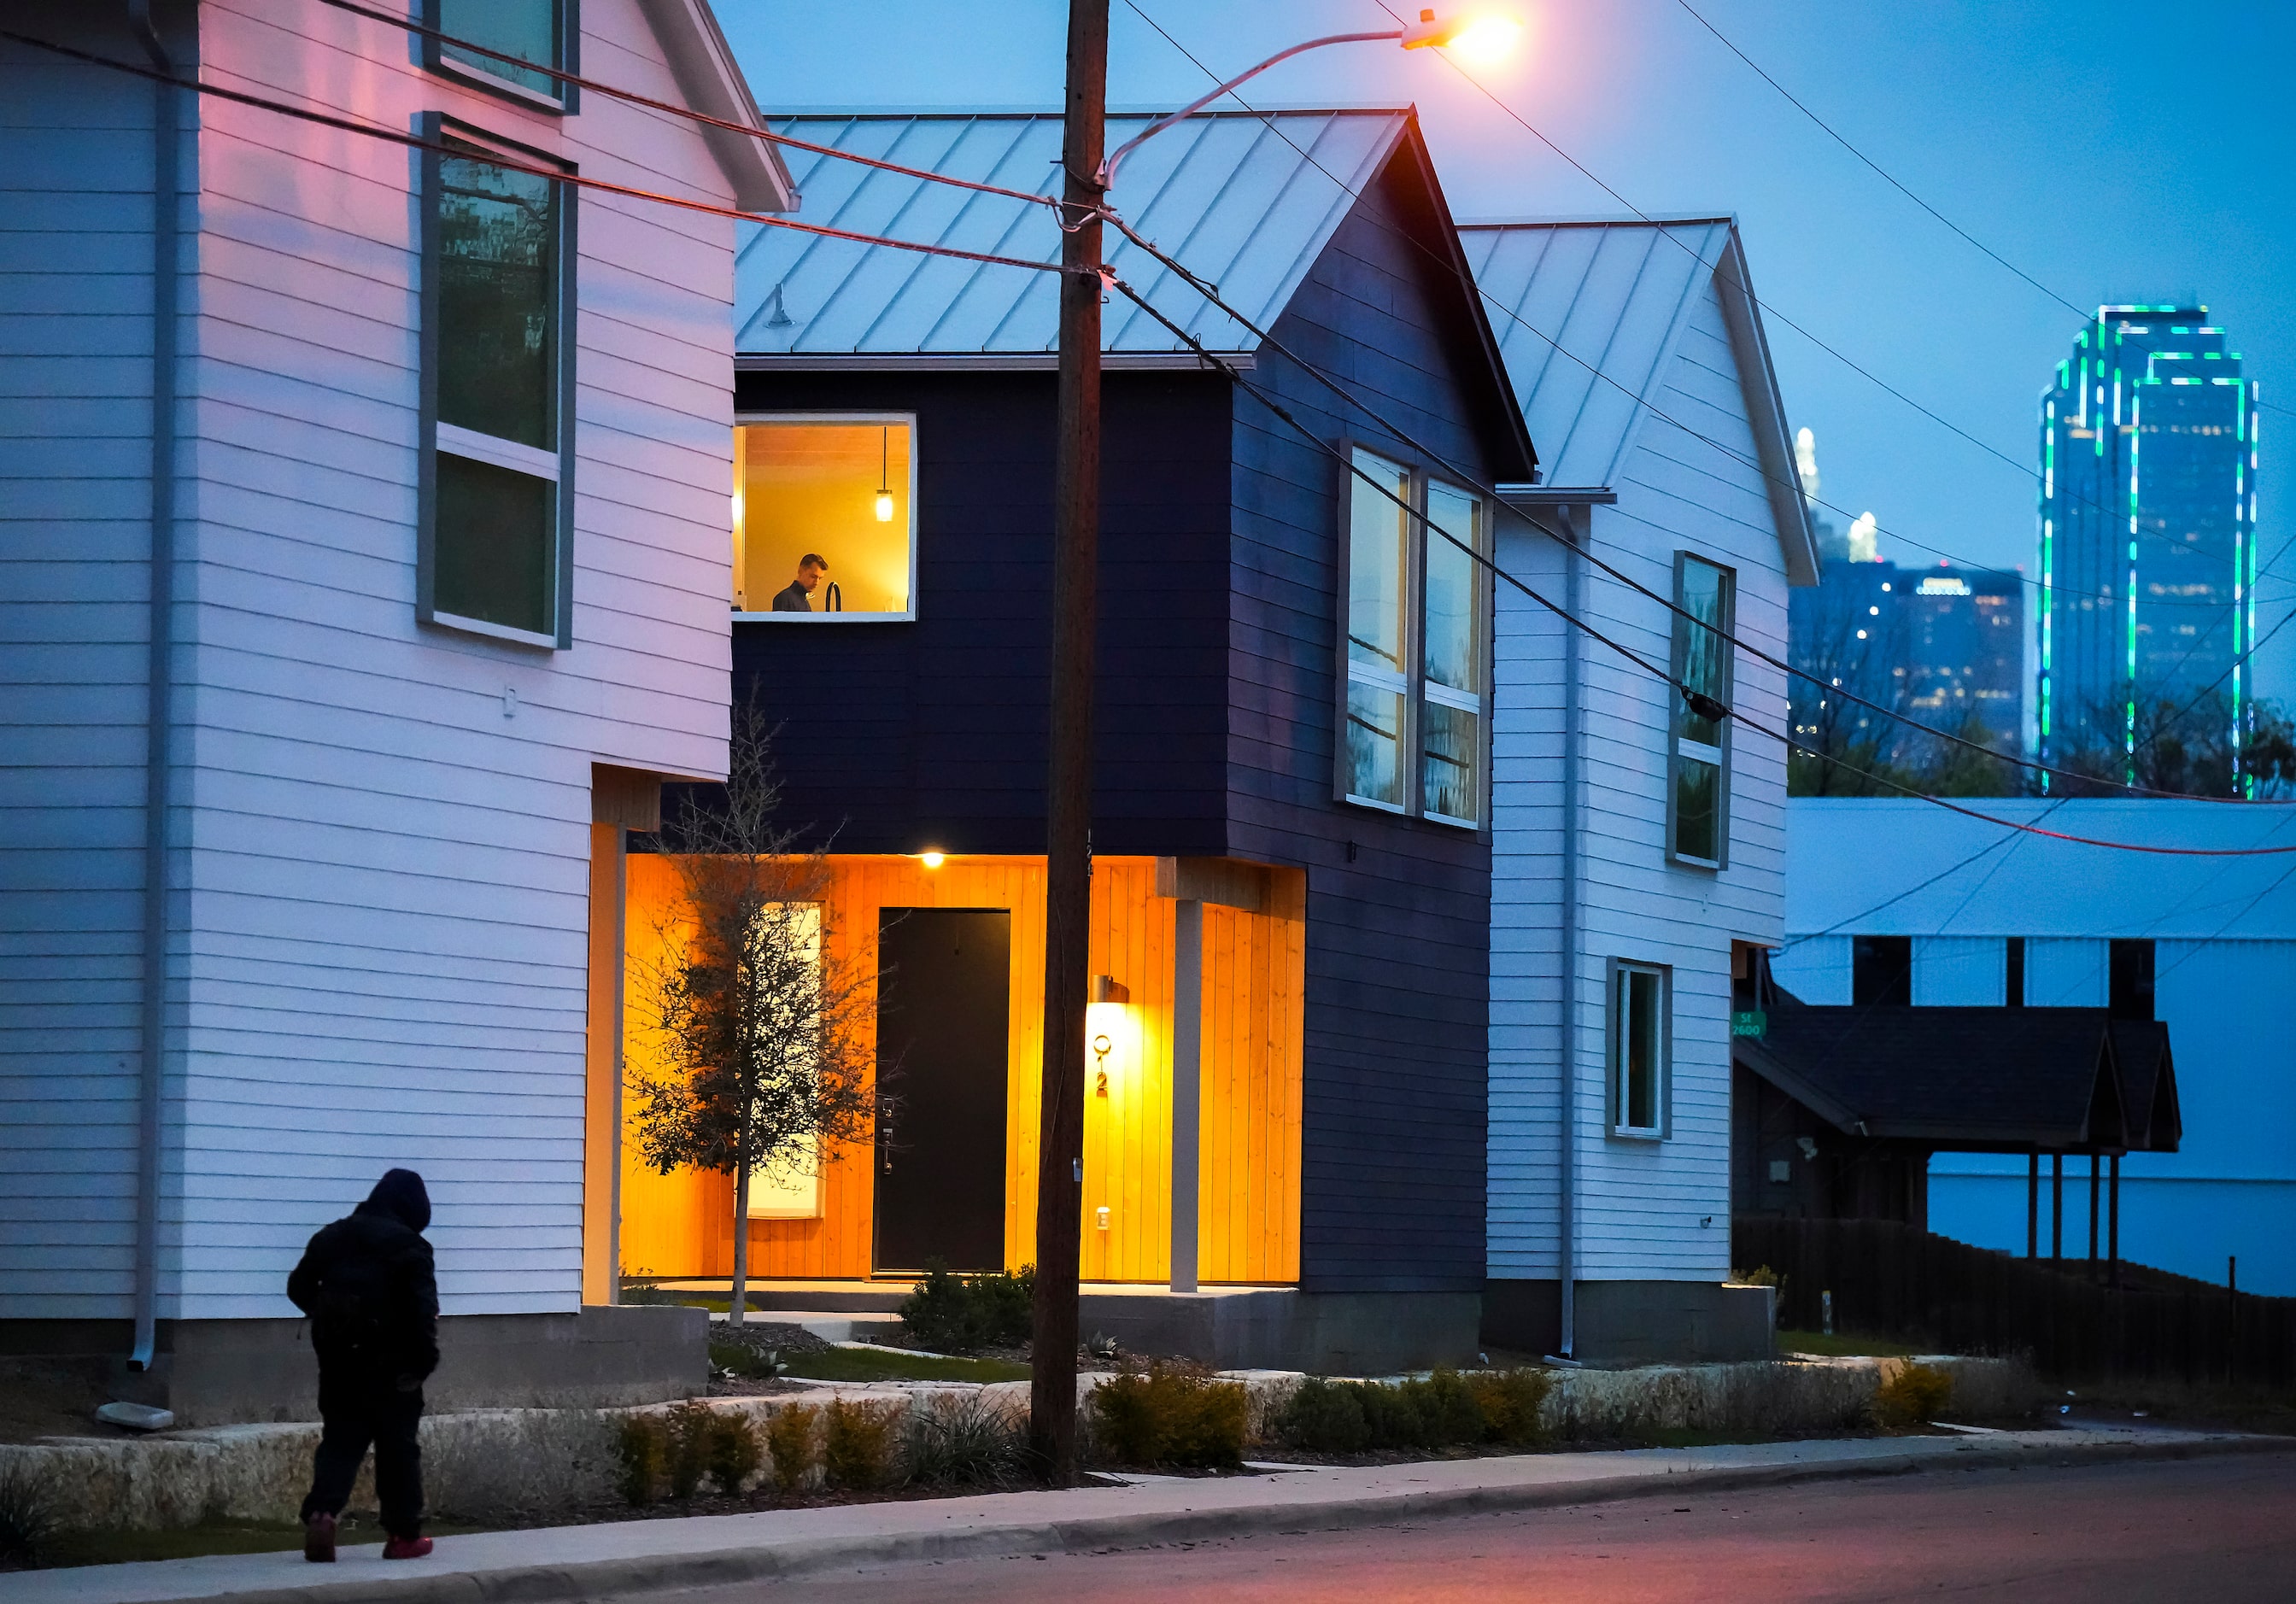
(1187, 1083)
(2056, 1208)
(2033, 1204)
(2092, 1217)
(2115, 1215)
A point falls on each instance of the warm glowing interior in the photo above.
(839, 491)
(1248, 1204)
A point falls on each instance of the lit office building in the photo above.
(1965, 645)
(2147, 536)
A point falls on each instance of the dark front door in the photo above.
(942, 1013)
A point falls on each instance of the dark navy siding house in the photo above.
(1292, 890)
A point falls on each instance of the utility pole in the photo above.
(1068, 791)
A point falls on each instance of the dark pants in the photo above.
(360, 1407)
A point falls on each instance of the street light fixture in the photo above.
(1485, 35)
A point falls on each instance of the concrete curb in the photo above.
(789, 1557)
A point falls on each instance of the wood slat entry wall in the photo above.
(1254, 974)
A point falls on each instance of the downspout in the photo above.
(165, 151)
(1566, 1205)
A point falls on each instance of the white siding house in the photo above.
(2218, 934)
(377, 805)
(1637, 354)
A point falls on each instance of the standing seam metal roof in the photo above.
(1224, 192)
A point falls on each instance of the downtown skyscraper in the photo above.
(2147, 532)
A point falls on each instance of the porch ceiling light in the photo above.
(932, 857)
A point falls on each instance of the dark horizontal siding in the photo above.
(898, 736)
(1397, 939)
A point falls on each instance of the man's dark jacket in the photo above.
(367, 1283)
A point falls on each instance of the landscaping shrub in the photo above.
(1170, 1414)
(1913, 1394)
(644, 1449)
(689, 1426)
(953, 1313)
(1445, 1410)
(754, 1363)
(1511, 1401)
(789, 1435)
(735, 1450)
(858, 1454)
(966, 1439)
(30, 1518)
(1324, 1417)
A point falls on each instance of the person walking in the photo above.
(367, 1283)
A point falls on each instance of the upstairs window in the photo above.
(2128, 976)
(1414, 660)
(1881, 970)
(496, 493)
(1698, 826)
(541, 31)
(824, 518)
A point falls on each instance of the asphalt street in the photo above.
(2221, 1530)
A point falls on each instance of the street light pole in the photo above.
(1068, 791)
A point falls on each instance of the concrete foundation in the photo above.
(228, 1372)
(1634, 1322)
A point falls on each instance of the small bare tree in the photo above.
(763, 1054)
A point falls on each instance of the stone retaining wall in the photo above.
(498, 1463)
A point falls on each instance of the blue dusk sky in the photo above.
(2113, 153)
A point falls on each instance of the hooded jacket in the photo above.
(368, 1284)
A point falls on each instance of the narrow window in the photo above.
(2012, 990)
(543, 32)
(824, 518)
(1881, 970)
(2129, 994)
(1697, 810)
(1451, 743)
(1379, 591)
(496, 495)
(1639, 1018)
(1414, 661)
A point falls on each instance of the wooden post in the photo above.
(2092, 1217)
(2056, 1208)
(1187, 1083)
(1068, 789)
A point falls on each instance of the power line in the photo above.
(1705, 706)
(1210, 292)
(1769, 311)
(511, 164)
(674, 110)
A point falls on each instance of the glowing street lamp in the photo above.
(1478, 34)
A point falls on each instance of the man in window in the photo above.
(799, 596)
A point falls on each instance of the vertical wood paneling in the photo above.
(681, 1223)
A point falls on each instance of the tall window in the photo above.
(1641, 1018)
(825, 517)
(1698, 807)
(497, 500)
(1415, 658)
(1881, 970)
(544, 32)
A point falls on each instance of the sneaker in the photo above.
(319, 1539)
(406, 1548)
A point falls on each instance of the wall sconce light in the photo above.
(932, 857)
(1108, 988)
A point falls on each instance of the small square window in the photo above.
(824, 518)
(1640, 1046)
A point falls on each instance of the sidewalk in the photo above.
(641, 1556)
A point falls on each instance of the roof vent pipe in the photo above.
(165, 151)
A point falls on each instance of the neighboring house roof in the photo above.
(1247, 203)
(1589, 314)
(1972, 1079)
(711, 82)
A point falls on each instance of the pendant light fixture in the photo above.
(884, 476)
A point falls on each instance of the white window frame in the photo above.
(1415, 687)
(563, 98)
(907, 419)
(1679, 745)
(1615, 1050)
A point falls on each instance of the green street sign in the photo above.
(1749, 1022)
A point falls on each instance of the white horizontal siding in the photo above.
(75, 538)
(382, 934)
(1646, 1210)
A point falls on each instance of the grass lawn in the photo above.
(892, 1364)
(1817, 1345)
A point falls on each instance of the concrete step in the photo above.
(831, 1325)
